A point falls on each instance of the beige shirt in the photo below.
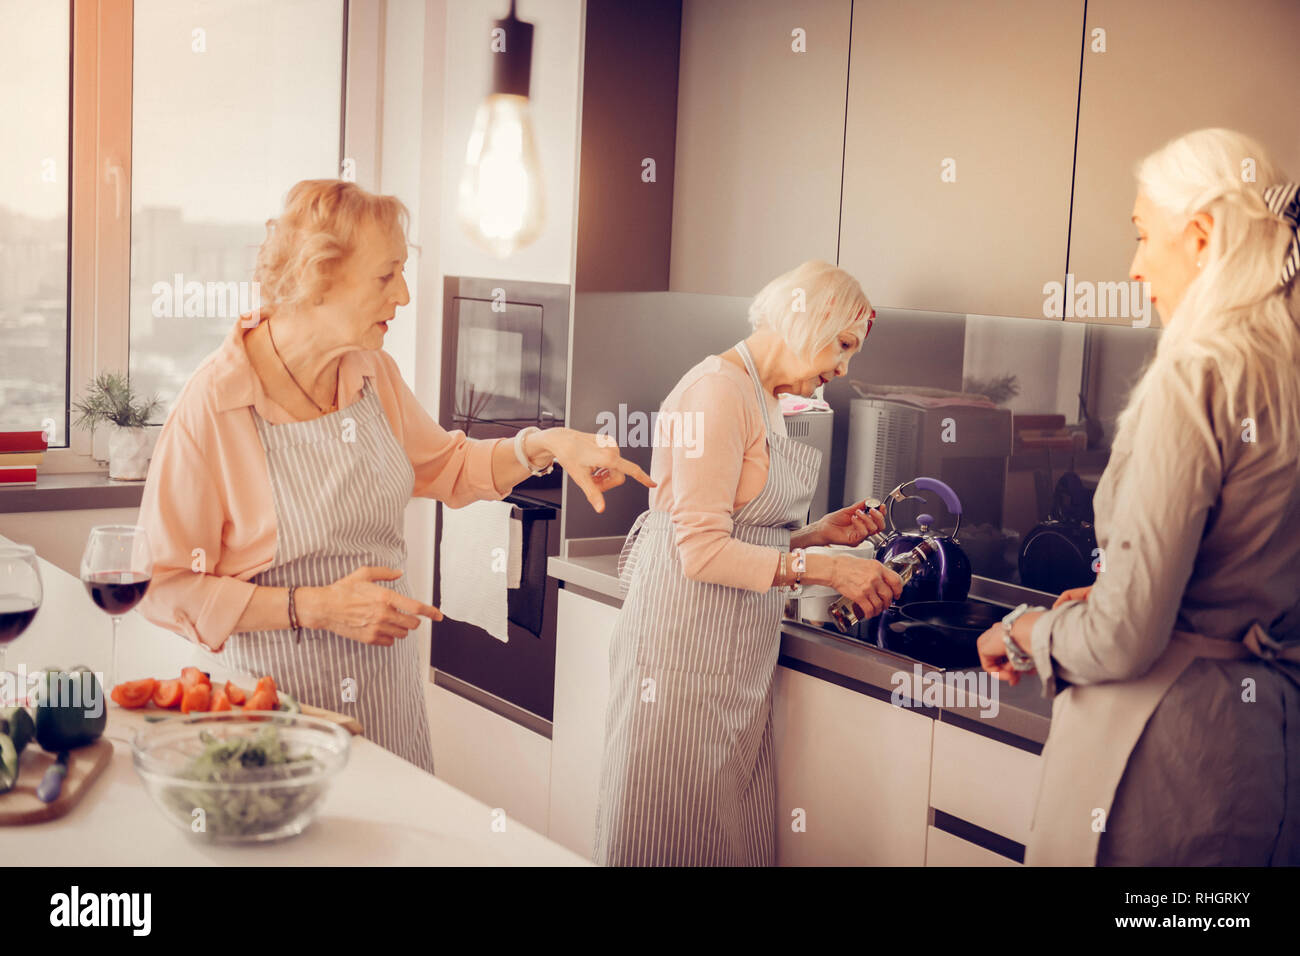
(1202, 535)
(1179, 748)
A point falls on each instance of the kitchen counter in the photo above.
(1021, 717)
(380, 810)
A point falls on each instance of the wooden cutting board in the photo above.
(135, 718)
(21, 805)
(350, 724)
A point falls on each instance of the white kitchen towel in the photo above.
(481, 556)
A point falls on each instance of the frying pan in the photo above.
(941, 633)
(956, 619)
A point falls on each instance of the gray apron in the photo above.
(340, 484)
(687, 775)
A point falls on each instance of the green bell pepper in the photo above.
(70, 710)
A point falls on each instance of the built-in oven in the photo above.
(505, 367)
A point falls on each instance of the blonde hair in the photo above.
(314, 234)
(810, 305)
(1235, 315)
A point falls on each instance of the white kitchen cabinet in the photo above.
(582, 634)
(491, 758)
(1165, 72)
(760, 137)
(983, 781)
(958, 152)
(854, 770)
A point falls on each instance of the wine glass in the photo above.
(20, 598)
(116, 568)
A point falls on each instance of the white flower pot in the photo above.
(129, 451)
(99, 443)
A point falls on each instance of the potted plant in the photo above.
(109, 401)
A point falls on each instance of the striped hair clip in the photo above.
(1283, 200)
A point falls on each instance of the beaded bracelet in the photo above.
(293, 614)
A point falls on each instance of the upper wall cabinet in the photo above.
(1153, 71)
(760, 136)
(958, 152)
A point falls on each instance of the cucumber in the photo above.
(17, 723)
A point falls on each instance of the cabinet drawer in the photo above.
(984, 782)
(944, 849)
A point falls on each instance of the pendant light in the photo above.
(501, 203)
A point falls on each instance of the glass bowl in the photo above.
(240, 776)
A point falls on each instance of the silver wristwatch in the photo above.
(1018, 658)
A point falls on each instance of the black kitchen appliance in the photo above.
(1060, 553)
(505, 360)
(940, 633)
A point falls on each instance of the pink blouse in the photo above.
(710, 472)
(207, 502)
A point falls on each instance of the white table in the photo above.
(380, 810)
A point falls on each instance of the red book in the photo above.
(23, 441)
(19, 475)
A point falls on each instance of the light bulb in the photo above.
(501, 199)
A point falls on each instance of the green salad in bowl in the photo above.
(240, 777)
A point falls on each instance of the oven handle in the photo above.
(527, 510)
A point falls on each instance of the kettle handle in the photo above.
(949, 497)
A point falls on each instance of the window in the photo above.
(35, 57)
(233, 102)
(146, 143)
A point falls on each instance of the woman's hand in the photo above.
(592, 461)
(1074, 594)
(357, 608)
(993, 655)
(868, 584)
(850, 526)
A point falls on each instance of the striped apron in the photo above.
(340, 484)
(687, 775)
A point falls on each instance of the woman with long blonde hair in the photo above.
(1175, 735)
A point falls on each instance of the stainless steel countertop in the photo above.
(1018, 715)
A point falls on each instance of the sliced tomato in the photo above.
(192, 675)
(196, 696)
(263, 699)
(168, 694)
(134, 693)
(236, 694)
(220, 701)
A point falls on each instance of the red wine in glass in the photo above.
(116, 591)
(20, 599)
(116, 568)
(14, 618)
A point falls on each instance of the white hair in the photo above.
(1234, 315)
(810, 306)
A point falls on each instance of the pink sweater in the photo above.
(707, 475)
(207, 502)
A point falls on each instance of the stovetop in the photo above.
(920, 643)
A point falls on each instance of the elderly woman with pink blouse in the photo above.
(276, 494)
(687, 774)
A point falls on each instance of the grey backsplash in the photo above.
(631, 348)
